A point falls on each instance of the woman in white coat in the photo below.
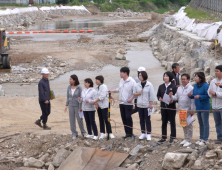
(102, 107)
(145, 96)
(87, 97)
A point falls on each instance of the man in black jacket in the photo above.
(44, 99)
(176, 74)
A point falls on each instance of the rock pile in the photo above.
(120, 54)
(190, 159)
(193, 55)
(120, 13)
(48, 151)
(68, 12)
(31, 73)
(21, 20)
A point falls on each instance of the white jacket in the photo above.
(147, 95)
(125, 90)
(184, 102)
(216, 101)
(103, 96)
(88, 94)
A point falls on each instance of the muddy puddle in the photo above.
(76, 24)
(58, 36)
(138, 53)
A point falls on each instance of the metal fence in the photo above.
(25, 2)
(213, 7)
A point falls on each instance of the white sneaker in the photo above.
(187, 144)
(95, 138)
(148, 137)
(202, 143)
(198, 141)
(102, 136)
(183, 142)
(143, 136)
(111, 136)
(89, 136)
(73, 137)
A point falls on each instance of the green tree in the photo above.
(62, 1)
(161, 3)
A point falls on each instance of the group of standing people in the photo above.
(88, 101)
(191, 99)
(140, 91)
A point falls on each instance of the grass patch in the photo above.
(193, 13)
(48, 4)
(163, 10)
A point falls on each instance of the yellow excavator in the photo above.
(5, 59)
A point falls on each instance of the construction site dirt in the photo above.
(25, 146)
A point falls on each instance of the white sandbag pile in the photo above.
(64, 7)
(208, 31)
(18, 11)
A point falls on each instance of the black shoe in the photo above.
(171, 141)
(127, 136)
(38, 123)
(218, 142)
(162, 141)
(45, 127)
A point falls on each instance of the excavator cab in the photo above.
(5, 59)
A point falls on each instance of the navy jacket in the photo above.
(176, 80)
(44, 90)
(203, 103)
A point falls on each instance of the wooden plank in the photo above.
(101, 159)
(78, 159)
(83, 158)
(116, 160)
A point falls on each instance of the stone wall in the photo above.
(193, 55)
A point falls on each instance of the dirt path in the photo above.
(19, 114)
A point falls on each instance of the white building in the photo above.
(26, 1)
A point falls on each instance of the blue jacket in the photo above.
(44, 90)
(203, 103)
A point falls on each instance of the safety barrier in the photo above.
(121, 124)
(58, 31)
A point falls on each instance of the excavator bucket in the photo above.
(83, 158)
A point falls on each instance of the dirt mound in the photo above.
(93, 9)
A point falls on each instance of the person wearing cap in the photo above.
(137, 81)
(44, 99)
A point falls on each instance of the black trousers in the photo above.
(144, 120)
(135, 108)
(168, 115)
(90, 122)
(46, 108)
(103, 118)
(126, 112)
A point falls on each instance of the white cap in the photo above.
(45, 71)
(141, 69)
